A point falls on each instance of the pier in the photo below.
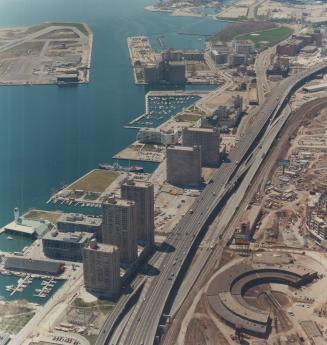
(47, 286)
(165, 93)
(21, 285)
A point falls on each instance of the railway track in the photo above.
(214, 260)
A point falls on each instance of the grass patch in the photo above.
(237, 29)
(151, 147)
(95, 181)
(187, 117)
(37, 215)
(135, 147)
(102, 305)
(271, 36)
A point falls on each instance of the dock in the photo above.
(177, 93)
(47, 286)
(21, 284)
(165, 93)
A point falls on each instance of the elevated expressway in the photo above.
(143, 325)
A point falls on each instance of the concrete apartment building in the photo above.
(142, 193)
(101, 268)
(157, 136)
(243, 46)
(65, 245)
(119, 227)
(207, 139)
(71, 222)
(183, 166)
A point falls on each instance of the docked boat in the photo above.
(118, 167)
(9, 238)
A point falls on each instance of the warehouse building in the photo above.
(22, 264)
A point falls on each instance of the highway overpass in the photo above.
(143, 325)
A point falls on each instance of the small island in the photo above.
(49, 53)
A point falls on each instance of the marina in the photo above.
(30, 287)
(160, 106)
(52, 162)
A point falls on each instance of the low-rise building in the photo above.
(157, 136)
(243, 46)
(65, 245)
(21, 264)
(71, 222)
(290, 47)
(229, 114)
(180, 55)
(219, 56)
(237, 59)
(27, 227)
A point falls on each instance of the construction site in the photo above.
(281, 224)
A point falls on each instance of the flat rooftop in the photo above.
(50, 216)
(119, 202)
(108, 248)
(75, 237)
(201, 129)
(77, 218)
(137, 183)
(182, 148)
(28, 226)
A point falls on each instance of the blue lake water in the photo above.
(49, 136)
(14, 242)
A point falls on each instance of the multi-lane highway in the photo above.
(143, 324)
